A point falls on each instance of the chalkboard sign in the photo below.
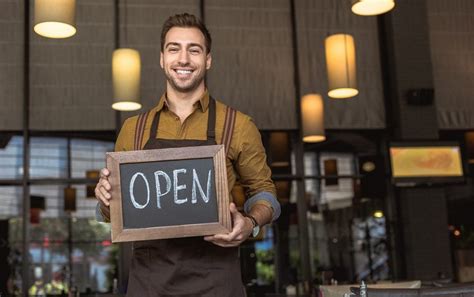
(168, 193)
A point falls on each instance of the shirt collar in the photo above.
(202, 103)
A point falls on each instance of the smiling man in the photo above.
(186, 115)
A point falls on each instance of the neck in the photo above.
(181, 103)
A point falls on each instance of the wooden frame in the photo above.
(216, 152)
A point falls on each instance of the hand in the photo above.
(103, 187)
(242, 227)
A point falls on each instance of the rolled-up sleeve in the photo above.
(251, 166)
(99, 216)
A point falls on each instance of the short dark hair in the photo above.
(185, 20)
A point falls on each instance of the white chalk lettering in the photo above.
(196, 182)
(132, 196)
(159, 194)
(178, 187)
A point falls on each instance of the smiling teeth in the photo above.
(183, 71)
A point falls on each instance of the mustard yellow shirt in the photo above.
(246, 158)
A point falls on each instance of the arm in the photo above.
(255, 176)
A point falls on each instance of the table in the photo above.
(340, 290)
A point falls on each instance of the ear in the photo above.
(208, 61)
(161, 59)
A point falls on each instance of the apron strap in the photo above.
(211, 120)
(154, 125)
(211, 123)
(139, 130)
(229, 124)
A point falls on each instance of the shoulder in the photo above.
(244, 130)
(133, 121)
(126, 136)
(240, 118)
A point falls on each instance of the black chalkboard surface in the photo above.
(168, 193)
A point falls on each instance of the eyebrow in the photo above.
(178, 44)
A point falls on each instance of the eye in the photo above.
(173, 49)
(195, 51)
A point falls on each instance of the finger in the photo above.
(226, 245)
(233, 208)
(104, 173)
(236, 215)
(218, 238)
(237, 230)
(105, 183)
(235, 235)
(221, 243)
(238, 225)
(105, 193)
(222, 237)
(100, 197)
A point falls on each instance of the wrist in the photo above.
(255, 227)
(248, 224)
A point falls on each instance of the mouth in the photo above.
(183, 73)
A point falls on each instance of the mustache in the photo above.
(181, 64)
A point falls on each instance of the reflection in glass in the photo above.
(48, 157)
(88, 155)
(11, 158)
(93, 255)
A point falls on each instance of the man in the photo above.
(187, 116)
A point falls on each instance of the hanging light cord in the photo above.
(125, 23)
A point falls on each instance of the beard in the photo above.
(186, 86)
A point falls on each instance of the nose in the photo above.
(183, 58)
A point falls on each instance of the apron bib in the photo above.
(184, 266)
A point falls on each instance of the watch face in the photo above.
(255, 231)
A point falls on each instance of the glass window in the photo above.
(370, 249)
(53, 231)
(93, 256)
(10, 202)
(48, 157)
(88, 155)
(337, 193)
(11, 159)
(265, 254)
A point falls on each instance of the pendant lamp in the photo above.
(55, 18)
(126, 68)
(312, 111)
(341, 66)
(372, 7)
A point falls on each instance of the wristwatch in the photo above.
(256, 227)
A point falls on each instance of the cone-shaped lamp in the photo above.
(55, 18)
(312, 111)
(126, 68)
(341, 66)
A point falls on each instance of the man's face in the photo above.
(184, 59)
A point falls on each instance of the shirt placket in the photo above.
(183, 127)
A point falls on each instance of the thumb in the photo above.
(233, 208)
(234, 212)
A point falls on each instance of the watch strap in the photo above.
(256, 227)
(254, 221)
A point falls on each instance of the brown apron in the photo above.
(185, 266)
